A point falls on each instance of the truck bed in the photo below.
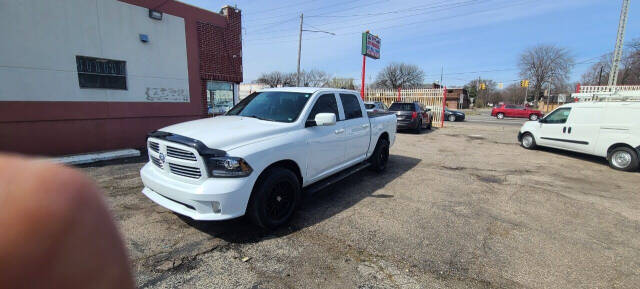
(378, 114)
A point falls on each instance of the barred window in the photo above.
(101, 73)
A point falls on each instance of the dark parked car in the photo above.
(411, 115)
(453, 115)
(375, 106)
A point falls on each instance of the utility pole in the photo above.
(299, 49)
(617, 54)
(441, 75)
(300, 45)
(477, 92)
(548, 97)
(600, 76)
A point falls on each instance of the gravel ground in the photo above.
(460, 207)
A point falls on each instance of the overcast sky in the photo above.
(470, 38)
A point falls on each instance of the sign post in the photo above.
(370, 48)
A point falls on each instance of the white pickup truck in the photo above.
(261, 156)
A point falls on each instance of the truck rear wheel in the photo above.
(274, 198)
(380, 156)
(623, 159)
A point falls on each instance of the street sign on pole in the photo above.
(370, 48)
(370, 45)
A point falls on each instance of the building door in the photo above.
(221, 97)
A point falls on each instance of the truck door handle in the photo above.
(564, 129)
(569, 130)
(339, 131)
(365, 125)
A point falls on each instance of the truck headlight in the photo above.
(228, 167)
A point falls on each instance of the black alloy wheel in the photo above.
(275, 197)
(380, 156)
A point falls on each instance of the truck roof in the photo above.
(306, 89)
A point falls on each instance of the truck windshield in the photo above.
(272, 105)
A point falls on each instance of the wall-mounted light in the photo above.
(153, 14)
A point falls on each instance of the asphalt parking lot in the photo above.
(459, 207)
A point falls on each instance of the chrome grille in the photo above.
(180, 154)
(156, 161)
(154, 146)
(185, 171)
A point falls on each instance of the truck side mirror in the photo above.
(325, 119)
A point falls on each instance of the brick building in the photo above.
(93, 75)
(458, 98)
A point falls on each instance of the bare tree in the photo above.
(631, 64)
(598, 73)
(344, 83)
(629, 74)
(277, 79)
(313, 78)
(397, 75)
(545, 64)
(513, 94)
(483, 96)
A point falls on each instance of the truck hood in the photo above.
(228, 132)
(529, 125)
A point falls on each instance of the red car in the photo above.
(510, 110)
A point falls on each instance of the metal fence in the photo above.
(429, 98)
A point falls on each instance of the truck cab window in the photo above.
(558, 116)
(326, 103)
(351, 106)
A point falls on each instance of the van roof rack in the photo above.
(608, 93)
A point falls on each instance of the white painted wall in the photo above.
(39, 41)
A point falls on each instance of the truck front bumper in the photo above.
(213, 199)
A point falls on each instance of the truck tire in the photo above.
(380, 156)
(623, 159)
(275, 197)
(418, 128)
(528, 141)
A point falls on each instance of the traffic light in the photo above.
(524, 83)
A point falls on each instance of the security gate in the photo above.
(429, 98)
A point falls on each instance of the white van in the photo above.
(606, 129)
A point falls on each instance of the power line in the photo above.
(414, 8)
(273, 24)
(315, 9)
(456, 5)
(397, 25)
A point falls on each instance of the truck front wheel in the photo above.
(274, 198)
(380, 156)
